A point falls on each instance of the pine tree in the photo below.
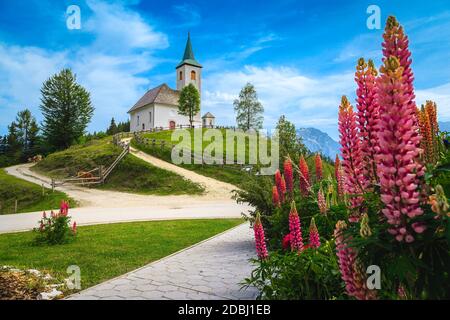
(67, 109)
(249, 111)
(113, 129)
(189, 102)
(27, 130)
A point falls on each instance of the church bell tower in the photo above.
(189, 70)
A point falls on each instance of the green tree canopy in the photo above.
(112, 128)
(189, 102)
(27, 130)
(67, 110)
(249, 111)
(290, 143)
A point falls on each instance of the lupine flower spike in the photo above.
(321, 202)
(295, 230)
(314, 237)
(367, 116)
(305, 183)
(281, 185)
(355, 182)
(351, 271)
(398, 163)
(318, 163)
(260, 240)
(74, 228)
(275, 197)
(289, 176)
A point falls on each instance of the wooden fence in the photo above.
(88, 178)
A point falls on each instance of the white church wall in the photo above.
(142, 119)
(164, 114)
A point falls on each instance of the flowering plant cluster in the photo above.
(383, 204)
(56, 228)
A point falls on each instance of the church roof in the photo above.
(162, 94)
(188, 57)
(208, 115)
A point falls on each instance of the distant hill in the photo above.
(444, 126)
(318, 141)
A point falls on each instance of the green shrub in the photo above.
(55, 229)
(313, 274)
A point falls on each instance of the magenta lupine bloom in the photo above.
(289, 176)
(295, 229)
(275, 197)
(64, 208)
(74, 228)
(351, 157)
(260, 240)
(367, 117)
(314, 237)
(398, 163)
(281, 185)
(321, 202)
(396, 44)
(351, 273)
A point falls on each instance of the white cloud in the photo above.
(440, 95)
(110, 67)
(305, 100)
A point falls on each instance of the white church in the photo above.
(158, 108)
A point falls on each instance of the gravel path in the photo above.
(212, 269)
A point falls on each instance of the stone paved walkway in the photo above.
(210, 270)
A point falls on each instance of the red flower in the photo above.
(286, 242)
(305, 183)
(318, 162)
(289, 176)
(281, 185)
(275, 197)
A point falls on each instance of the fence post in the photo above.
(15, 206)
(53, 185)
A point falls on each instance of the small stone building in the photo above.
(208, 120)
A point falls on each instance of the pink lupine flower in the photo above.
(355, 181)
(44, 215)
(321, 202)
(305, 182)
(275, 197)
(295, 229)
(260, 241)
(367, 116)
(351, 271)
(419, 227)
(64, 208)
(398, 163)
(289, 176)
(281, 185)
(396, 44)
(74, 228)
(337, 165)
(314, 237)
(319, 170)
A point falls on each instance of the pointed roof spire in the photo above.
(188, 57)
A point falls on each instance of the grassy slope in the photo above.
(105, 251)
(131, 175)
(227, 173)
(28, 195)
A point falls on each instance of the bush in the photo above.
(313, 274)
(55, 229)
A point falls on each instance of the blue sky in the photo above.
(300, 54)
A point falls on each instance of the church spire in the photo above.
(188, 57)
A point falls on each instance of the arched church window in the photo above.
(193, 75)
(181, 75)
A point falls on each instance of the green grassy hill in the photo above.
(30, 197)
(226, 173)
(131, 175)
